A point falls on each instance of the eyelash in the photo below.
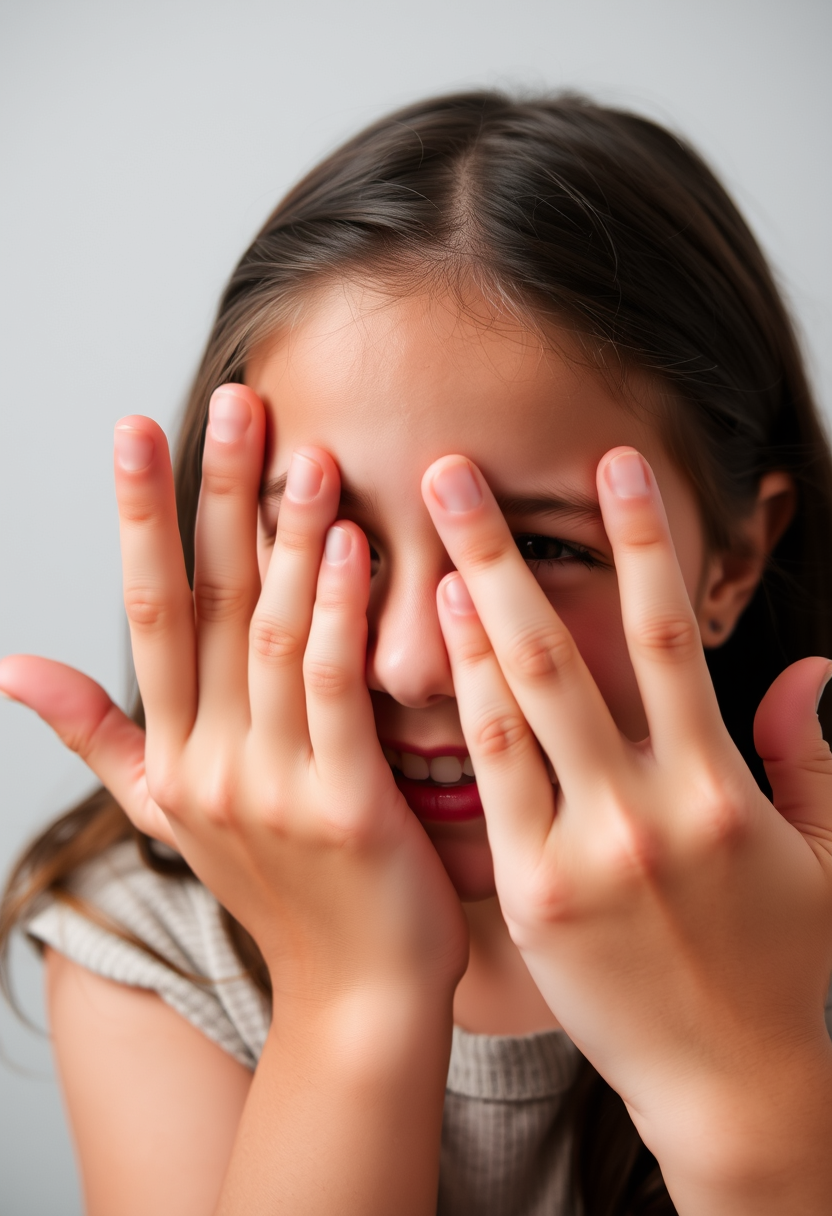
(567, 554)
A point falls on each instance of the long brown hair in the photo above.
(605, 223)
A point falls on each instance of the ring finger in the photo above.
(282, 619)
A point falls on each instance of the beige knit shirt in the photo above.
(505, 1143)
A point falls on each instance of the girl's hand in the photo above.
(261, 763)
(679, 927)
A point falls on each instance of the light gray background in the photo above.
(141, 145)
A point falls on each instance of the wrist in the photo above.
(755, 1141)
(378, 1030)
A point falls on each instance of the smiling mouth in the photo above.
(446, 770)
(439, 786)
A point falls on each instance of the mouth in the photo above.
(438, 784)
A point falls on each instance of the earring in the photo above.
(715, 626)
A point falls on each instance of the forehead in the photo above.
(388, 384)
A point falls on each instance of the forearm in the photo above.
(344, 1113)
(764, 1152)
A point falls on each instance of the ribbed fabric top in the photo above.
(504, 1147)
(506, 1137)
(505, 1068)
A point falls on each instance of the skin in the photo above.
(651, 901)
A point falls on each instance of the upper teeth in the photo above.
(445, 770)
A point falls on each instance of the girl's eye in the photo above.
(375, 561)
(540, 550)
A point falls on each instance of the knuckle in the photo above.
(146, 606)
(273, 641)
(482, 551)
(722, 814)
(333, 597)
(498, 734)
(139, 509)
(669, 634)
(642, 531)
(550, 898)
(290, 538)
(83, 736)
(164, 784)
(469, 652)
(220, 601)
(324, 678)
(219, 804)
(218, 792)
(631, 852)
(217, 480)
(536, 654)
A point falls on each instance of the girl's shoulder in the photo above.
(136, 926)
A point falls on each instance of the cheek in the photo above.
(596, 626)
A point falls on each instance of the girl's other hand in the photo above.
(679, 926)
(261, 763)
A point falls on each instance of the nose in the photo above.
(406, 655)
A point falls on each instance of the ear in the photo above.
(731, 578)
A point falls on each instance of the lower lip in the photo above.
(442, 804)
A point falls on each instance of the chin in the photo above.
(464, 852)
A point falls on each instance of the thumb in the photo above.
(789, 741)
(90, 724)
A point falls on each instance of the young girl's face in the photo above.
(389, 384)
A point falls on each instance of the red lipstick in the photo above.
(431, 800)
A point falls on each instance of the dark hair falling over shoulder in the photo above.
(602, 223)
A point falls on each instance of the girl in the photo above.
(432, 810)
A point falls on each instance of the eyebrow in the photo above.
(578, 507)
(351, 499)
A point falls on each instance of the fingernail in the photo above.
(456, 488)
(229, 414)
(457, 597)
(338, 545)
(822, 688)
(304, 478)
(134, 449)
(627, 476)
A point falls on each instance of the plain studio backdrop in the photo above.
(142, 146)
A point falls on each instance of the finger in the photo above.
(790, 742)
(226, 578)
(514, 787)
(340, 715)
(662, 633)
(537, 654)
(91, 725)
(156, 592)
(282, 618)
